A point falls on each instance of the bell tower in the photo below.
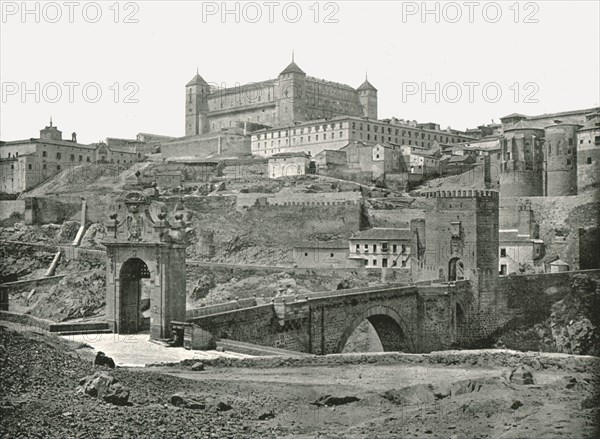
(290, 94)
(367, 94)
(196, 106)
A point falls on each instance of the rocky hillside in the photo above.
(570, 325)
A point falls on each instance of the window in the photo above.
(503, 270)
(597, 140)
(384, 262)
(394, 248)
(44, 154)
(357, 248)
(374, 262)
(29, 166)
(44, 166)
(502, 252)
(568, 162)
(80, 158)
(72, 157)
(305, 254)
(588, 161)
(374, 248)
(384, 247)
(58, 155)
(58, 167)
(366, 262)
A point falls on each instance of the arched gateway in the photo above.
(145, 256)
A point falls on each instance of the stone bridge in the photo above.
(416, 318)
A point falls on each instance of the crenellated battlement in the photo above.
(463, 193)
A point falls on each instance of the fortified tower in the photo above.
(289, 92)
(196, 106)
(561, 159)
(522, 172)
(145, 267)
(367, 95)
(462, 240)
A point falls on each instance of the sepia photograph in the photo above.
(300, 219)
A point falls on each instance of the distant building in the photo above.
(288, 165)
(382, 247)
(455, 164)
(24, 164)
(323, 255)
(314, 136)
(540, 154)
(419, 161)
(291, 97)
(330, 158)
(588, 153)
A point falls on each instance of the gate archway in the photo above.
(131, 275)
(143, 243)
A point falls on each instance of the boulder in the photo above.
(188, 401)
(328, 400)
(104, 361)
(198, 366)
(104, 386)
(521, 375)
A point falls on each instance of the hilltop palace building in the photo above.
(291, 97)
(296, 113)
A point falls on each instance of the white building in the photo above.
(288, 164)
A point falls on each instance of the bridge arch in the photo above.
(389, 325)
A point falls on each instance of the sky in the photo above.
(108, 69)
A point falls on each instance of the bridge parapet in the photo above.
(339, 293)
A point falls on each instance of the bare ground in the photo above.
(40, 374)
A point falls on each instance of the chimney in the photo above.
(74, 137)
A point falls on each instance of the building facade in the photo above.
(382, 248)
(24, 164)
(291, 97)
(315, 136)
(460, 241)
(288, 165)
(540, 154)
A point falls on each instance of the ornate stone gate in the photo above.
(145, 255)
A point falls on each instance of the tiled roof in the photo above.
(196, 80)
(292, 68)
(366, 86)
(389, 234)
